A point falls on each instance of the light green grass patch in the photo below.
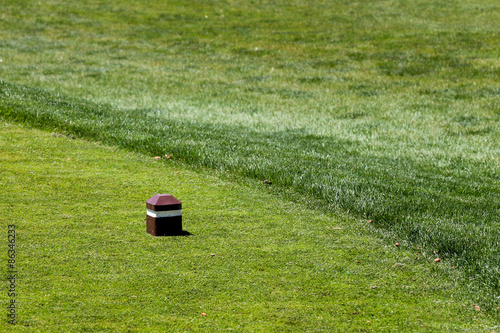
(385, 110)
(254, 262)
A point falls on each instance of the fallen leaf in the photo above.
(437, 260)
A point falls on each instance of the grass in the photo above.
(384, 110)
(254, 262)
(437, 210)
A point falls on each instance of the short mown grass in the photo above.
(253, 261)
(384, 110)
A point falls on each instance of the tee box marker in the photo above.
(164, 217)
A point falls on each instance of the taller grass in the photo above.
(384, 109)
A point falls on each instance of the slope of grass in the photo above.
(388, 110)
(452, 211)
(253, 262)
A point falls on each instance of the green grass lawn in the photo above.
(370, 110)
(253, 261)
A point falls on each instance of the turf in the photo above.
(384, 110)
(253, 262)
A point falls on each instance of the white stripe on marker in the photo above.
(167, 213)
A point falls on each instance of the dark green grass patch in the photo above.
(253, 262)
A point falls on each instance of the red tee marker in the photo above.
(164, 217)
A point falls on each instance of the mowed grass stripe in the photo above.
(254, 262)
(452, 211)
